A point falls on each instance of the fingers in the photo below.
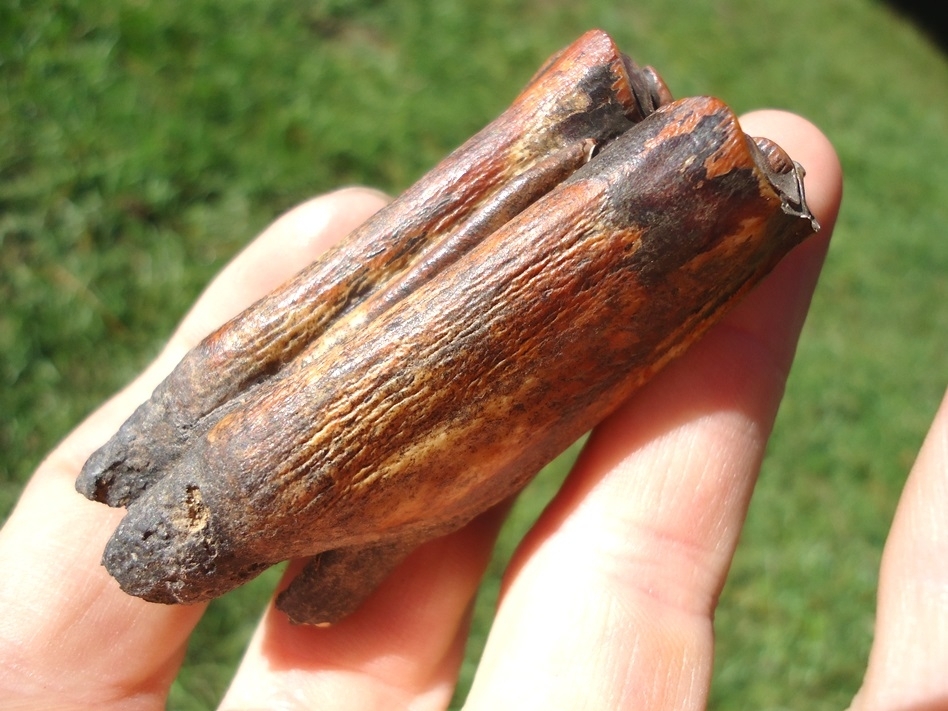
(909, 658)
(401, 649)
(58, 602)
(608, 604)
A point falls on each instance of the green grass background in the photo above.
(143, 143)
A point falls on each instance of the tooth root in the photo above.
(335, 583)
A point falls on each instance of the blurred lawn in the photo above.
(142, 143)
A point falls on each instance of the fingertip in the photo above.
(313, 226)
(300, 235)
(293, 241)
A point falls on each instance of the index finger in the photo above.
(59, 603)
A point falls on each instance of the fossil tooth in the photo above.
(430, 365)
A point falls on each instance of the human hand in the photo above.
(607, 604)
